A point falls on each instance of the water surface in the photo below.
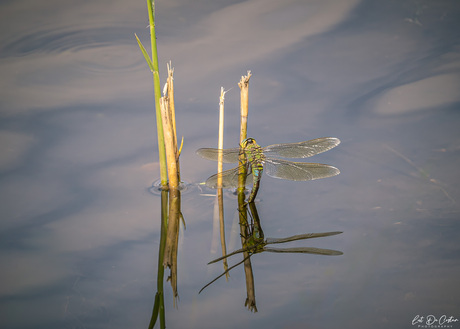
(80, 230)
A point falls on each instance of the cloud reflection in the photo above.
(87, 70)
(436, 91)
(13, 148)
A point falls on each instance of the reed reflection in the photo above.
(253, 241)
(171, 217)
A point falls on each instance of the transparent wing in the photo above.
(298, 171)
(228, 155)
(302, 149)
(229, 179)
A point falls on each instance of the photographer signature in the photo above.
(430, 320)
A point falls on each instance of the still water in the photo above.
(80, 228)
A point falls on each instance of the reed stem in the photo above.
(169, 143)
(153, 64)
(220, 197)
(172, 107)
(244, 104)
(220, 144)
(172, 112)
(242, 206)
(244, 98)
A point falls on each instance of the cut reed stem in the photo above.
(220, 144)
(172, 107)
(220, 197)
(169, 143)
(242, 206)
(172, 112)
(244, 96)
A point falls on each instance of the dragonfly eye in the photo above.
(248, 141)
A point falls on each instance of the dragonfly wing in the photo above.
(298, 171)
(228, 155)
(229, 179)
(302, 149)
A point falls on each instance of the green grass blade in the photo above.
(146, 55)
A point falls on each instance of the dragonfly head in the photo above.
(248, 141)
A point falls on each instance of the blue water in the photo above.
(80, 229)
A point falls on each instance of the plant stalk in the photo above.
(157, 90)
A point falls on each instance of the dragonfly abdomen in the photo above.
(256, 169)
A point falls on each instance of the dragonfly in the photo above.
(258, 159)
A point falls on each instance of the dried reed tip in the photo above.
(244, 79)
(170, 68)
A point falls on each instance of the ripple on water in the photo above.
(98, 49)
(59, 68)
(156, 188)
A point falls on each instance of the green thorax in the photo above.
(254, 157)
(253, 153)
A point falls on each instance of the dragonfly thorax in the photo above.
(252, 151)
